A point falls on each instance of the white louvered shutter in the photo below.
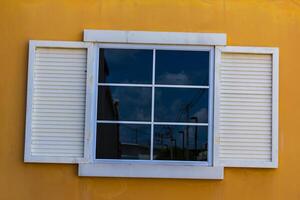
(56, 102)
(246, 107)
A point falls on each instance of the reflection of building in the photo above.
(134, 150)
(109, 142)
(108, 138)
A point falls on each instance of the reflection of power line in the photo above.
(186, 107)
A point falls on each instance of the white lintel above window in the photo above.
(151, 37)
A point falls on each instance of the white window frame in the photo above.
(138, 168)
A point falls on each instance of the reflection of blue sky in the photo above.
(135, 134)
(134, 102)
(179, 105)
(128, 65)
(182, 67)
(163, 133)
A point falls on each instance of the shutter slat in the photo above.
(245, 136)
(244, 108)
(245, 144)
(60, 55)
(237, 148)
(254, 68)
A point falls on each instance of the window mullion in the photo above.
(152, 106)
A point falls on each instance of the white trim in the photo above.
(155, 46)
(248, 164)
(151, 37)
(153, 162)
(210, 124)
(92, 145)
(216, 140)
(275, 107)
(152, 104)
(33, 44)
(59, 44)
(274, 52)
(148, 168)
(151, 171)
(31, 58)
(90, 104)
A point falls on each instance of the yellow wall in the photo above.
(246, 22)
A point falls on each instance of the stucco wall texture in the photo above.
(274, 23)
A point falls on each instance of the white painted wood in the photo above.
(246, 107)
(151, 37)
(56, 102)
(151, 171)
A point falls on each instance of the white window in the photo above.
(152, 104)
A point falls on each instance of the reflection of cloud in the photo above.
(118, 56)
(172, 78)
(135, 103)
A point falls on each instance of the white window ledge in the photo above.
(151, 37)
(151, 171)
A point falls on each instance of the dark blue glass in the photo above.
(181, 105)
(172, 142)
(182, 67)
(124, 103)
(123, 141)
(125, 66)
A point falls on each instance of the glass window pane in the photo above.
(125, 66)
(180, 143)
(182, 67)
(181, 105)
(124, 103)
(123, 141)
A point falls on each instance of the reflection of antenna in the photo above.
(188, 106)
(183, 142)
(196, 135)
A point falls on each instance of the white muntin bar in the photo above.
(154, 85)
(152, 105)
(125, 84)
(150, 122)
(122, 122)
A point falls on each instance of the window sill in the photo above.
(150, 171)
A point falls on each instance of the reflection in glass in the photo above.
(124, 103)
(180, 143)
(123, 141)
(182, 67)
(181, 105)
(125, 66)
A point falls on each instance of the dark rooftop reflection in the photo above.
(123, 141)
